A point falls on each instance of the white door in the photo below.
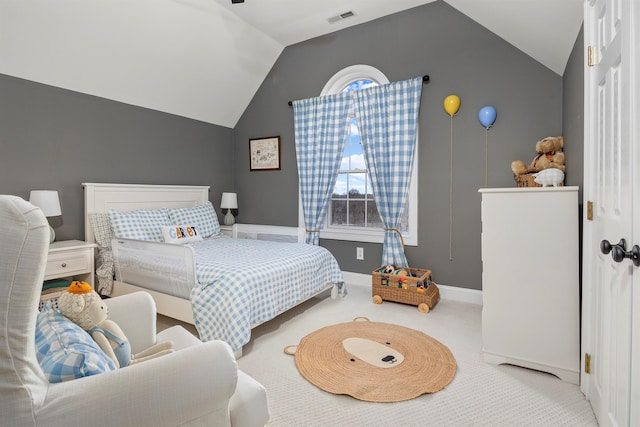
(611, 139)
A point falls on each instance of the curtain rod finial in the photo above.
(425, 79)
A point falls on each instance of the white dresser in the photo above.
(530, 282)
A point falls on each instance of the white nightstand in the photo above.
(227, 230)
(71, 258)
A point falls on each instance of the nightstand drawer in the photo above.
(64, 264)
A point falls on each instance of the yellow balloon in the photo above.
(451, 104)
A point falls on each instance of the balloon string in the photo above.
(451, 195)
(486, 158)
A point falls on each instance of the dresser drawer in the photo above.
(67, 264)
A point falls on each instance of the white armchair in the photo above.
(199, 384)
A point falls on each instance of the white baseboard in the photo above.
(453, 293)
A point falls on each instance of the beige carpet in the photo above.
(479, 395)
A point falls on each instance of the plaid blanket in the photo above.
(243, 282)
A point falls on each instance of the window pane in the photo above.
(341, 189)
(373, 216)
(359, 84)
(369, 188)
(352, 158)
(357, 185)
(356, 157)
(357, 213)
(338, 212)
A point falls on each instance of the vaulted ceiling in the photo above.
(205, 59)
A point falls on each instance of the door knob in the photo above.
(606, 247)
(619, 251)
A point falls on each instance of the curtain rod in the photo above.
(425, 80)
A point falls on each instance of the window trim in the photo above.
(358, 234)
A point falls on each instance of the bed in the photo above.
(223, 285)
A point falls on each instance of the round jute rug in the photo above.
(375, 362)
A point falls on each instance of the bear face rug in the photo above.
(375, 362)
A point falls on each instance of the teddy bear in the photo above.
(550, 155)
(83, 306)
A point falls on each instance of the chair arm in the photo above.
(191, 385)
(135, 313)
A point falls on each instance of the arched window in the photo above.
(352, 213)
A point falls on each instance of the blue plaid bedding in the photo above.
(242, 283)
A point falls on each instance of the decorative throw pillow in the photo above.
(180, 234)
(105, 271)
(141, 224)
(102, 232)
(65, 351)
(204, 217)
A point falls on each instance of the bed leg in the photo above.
(338, 289)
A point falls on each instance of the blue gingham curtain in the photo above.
(388, 122)
(320, 136)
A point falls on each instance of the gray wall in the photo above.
(573, 113)
(52, 138)
(573, 122)
(55, 139)
(462, 58)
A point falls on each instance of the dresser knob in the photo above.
(64, 264)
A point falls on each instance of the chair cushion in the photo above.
(65, 351)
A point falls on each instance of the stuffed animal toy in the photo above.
(388, 269)
(83, 306)
(549, 177)
(550, 155)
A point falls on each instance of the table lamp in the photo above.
(49, 202)
(229, 201)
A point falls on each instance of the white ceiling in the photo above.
(544, 29)
(205, 59)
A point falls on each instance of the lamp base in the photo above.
(52, 237)
(229, 219)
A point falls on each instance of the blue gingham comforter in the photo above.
(246, 282)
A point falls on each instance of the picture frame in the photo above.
(264, 154)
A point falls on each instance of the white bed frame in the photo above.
(100, 198)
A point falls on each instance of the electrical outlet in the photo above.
(360, 254)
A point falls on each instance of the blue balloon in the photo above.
(487, 116)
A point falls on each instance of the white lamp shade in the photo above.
(47, 200)
(229, 201)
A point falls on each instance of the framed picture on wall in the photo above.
(264, 154)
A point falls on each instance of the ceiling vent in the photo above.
(340, 17)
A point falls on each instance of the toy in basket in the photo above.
(407, 285)
(51, 290)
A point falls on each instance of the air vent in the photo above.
(340, 17)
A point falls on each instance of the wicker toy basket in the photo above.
(51, 290)
(528, 180)
(415, 288)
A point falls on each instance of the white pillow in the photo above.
(141, 224)
(180, 234)
(203, 216)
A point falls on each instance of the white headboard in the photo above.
(100, 198)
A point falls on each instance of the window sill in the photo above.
(360, 235)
